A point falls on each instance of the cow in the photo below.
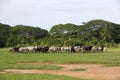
(102, 49)
(66, 49)
(87, 48)
(45, 49)
(94, 49)
(38, 49)
(23, 49)
(11, 49)
(54, 49)
(14, 49)
(105, 49)
(77, 49)
(72, 49)
(31, 48)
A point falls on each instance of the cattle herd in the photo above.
(52, 49)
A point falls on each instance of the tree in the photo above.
(21, 35)
(94, 32)
(4, 34)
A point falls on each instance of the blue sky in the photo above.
(46, 13)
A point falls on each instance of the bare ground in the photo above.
(93, 71)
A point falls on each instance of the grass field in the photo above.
(36, 77)
(11, 60)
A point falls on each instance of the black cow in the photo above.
(39, 49)
(87, 48)
(45, 49)
(72, 49)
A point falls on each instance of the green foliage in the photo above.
(94, 32)
(22, 35)
(4, 34)
(63, 31)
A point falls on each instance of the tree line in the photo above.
(94, 32)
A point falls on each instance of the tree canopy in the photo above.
(4, 34)
(94, 32)
(20, 35)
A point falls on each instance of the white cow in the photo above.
(94, 49)
(66, 49)
(77, 49)
(54, 49)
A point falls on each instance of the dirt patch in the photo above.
(93, 71)
(2, 72)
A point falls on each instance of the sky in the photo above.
(46, 13)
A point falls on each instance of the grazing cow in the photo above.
(63, 49)
(45, 49)
(39, 49)
(11, 49)
(102, 49)
(14, 49)
(72, 49)
(94, 49)
(31, 49)
(54, 49)
(23, 49)
(87, 48)
(66, 49)
(105, 49)
(77, 49)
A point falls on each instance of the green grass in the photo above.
(29, 66)
(35, 77)
(79, 69)
(10, 60)
(36, 66)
